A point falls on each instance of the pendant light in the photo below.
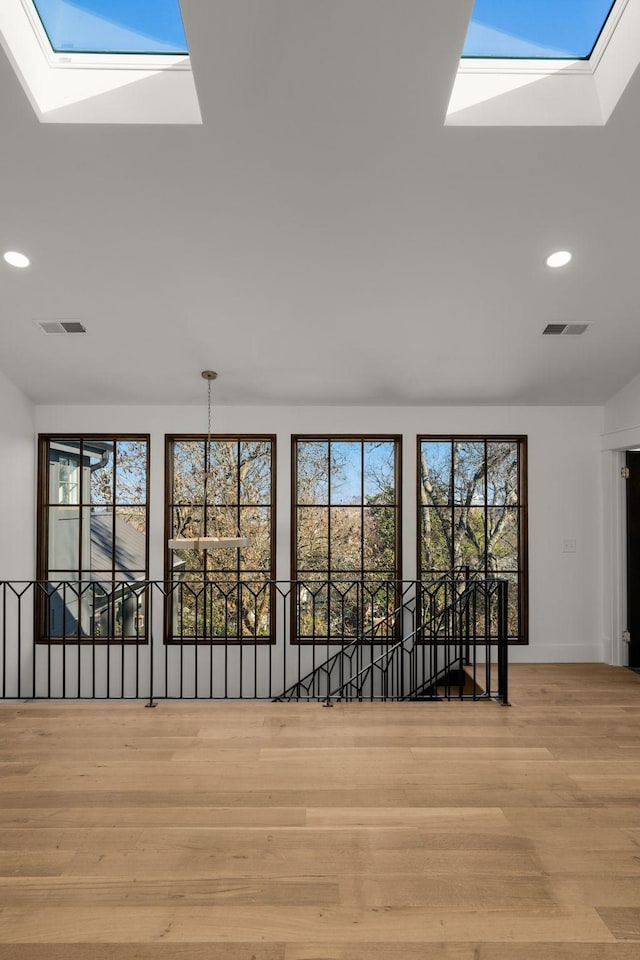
(207, 543)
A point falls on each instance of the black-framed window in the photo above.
(221, 595)
(346, 535)
(472, 505)
(93, 555)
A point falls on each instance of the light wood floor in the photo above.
(291, 832)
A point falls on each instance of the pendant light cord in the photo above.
(209, 376)
(205, 542)
(207, 453)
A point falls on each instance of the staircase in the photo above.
(336, 671)
(444, 657)
(450, 684)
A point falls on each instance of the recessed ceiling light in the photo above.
(559, 259)
(16, 259)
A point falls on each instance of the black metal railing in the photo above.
(447, 649)
(262, 640)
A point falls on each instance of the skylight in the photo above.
(113, 26)
(536, 29)
(545, 62)
(101, 61)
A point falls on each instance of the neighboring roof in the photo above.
(130, 549)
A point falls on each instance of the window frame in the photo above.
(168, 636)
(522, 639)
(41, 635)
(328, 438)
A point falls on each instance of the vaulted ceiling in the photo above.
(322, 237)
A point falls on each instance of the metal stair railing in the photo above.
(484, 600)
(303, 687)
(388, 671)
(352, 688)
(388, 668)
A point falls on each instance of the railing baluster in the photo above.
(149, 635)
(4, 641)
(503, 642)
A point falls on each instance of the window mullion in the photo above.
(329, 501)
(80, 510)
(114, 486)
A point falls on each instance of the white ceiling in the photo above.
(323, 237)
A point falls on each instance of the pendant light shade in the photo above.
(206, 543)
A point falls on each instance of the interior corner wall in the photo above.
(621, 427)
(565, 491)
(17, 483)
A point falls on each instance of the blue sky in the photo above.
(113, 26)
(535, 28)
(348, 486)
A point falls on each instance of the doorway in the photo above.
(633, 557)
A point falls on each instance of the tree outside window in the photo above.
(472, 510)
(221, 595)
(346, 520)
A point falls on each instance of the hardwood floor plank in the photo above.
(624, 922)
(346, 925)
(141, 951)
(463, 820)
(458, 951)
(597, 891)
(68, 838)
(515, 892)
(148, 816)
(90, 891)
(34, 863)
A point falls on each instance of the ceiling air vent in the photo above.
(61, 326)
(564, 329)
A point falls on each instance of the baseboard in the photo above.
(557, 653)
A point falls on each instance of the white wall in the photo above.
(17, 483)
(565, 481)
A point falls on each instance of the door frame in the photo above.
(633, 625)
(615, 611)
